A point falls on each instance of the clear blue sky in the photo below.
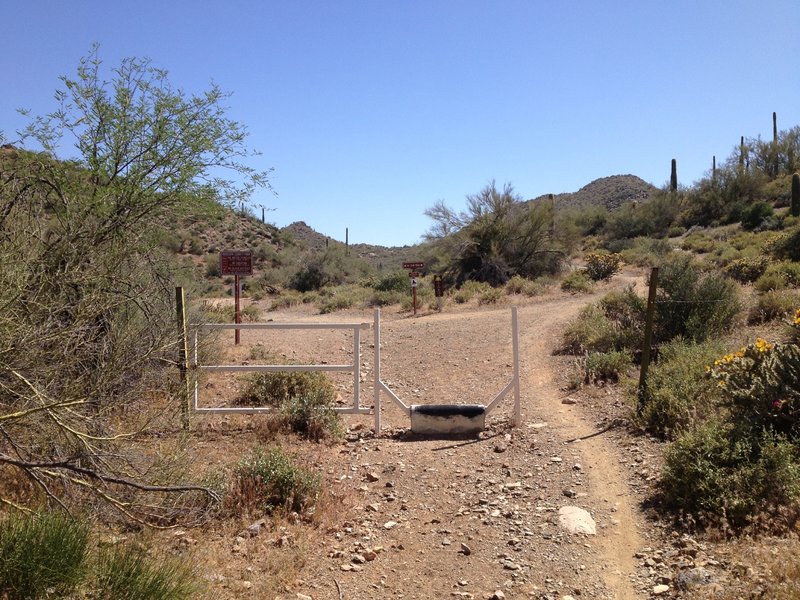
(370, 111)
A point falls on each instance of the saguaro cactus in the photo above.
(775, 127)
(714, 167)
(673, 178)
(741, 154)
(795, 195)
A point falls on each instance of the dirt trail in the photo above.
(606, 480)
(471, 517)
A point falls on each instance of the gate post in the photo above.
(517, 421)
(183, 355)
(376, 367)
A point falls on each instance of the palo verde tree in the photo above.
(496, 237)
(87, 335)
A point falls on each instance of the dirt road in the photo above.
(469, 517)
(477, 517)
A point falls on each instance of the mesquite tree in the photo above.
(87, 338)
(496, 237)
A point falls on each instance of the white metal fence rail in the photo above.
(355, 366)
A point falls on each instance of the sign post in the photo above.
(438, 290)
(236, 263)
(413, 274)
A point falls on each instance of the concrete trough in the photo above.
(447, 419)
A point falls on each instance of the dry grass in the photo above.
(762, 568)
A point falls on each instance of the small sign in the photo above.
(414, 282)
(236, 262)
(413, 265)
(438, 286)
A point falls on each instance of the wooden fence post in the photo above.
(183, 354)
(648, 339)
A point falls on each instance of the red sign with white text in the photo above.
(413, 265)
(236, 262)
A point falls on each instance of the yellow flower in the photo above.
(763, 345)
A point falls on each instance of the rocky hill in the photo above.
(383, 258)
(609, 192)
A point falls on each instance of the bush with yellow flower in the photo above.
(762, 382)
(602, 265)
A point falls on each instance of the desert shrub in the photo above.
(331, 267)
(697, 242)
(746, 270)
(577, 281)
(462, 296)
(769, 282)
(250, 314)
(606, 366)
(128, 572)
(587, 221)
(308, 278)
(693, 305)
(591, 331)
(196, 245)
(41, 555)
(647, 219)
(678, 391)
(468, 290)
(490, 296)
(787, 245)
(516, 285)
(751, 463)
(773, 305)
(726, 254)
(212, 265)
(287, 299)
(277, 388)
(528, 287)
(793, 327)
(790, 269)
(756, 215)
(714, 471)
(272, 480)
(601, 265)
(614, 323)
(311, 415)
(336, 303)
(537, 287)
(386, 298)
(779, 275)
(266, 252)
(393, 282)
(342, 297)
(676, 231)
(762, 383)
(626, 310)
(215, 312)
(259, 352)
(646, 252)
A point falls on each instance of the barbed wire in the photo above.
(690, 301)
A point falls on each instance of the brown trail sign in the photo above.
(236, 263)
(413, 267)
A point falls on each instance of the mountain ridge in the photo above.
(609, 192)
